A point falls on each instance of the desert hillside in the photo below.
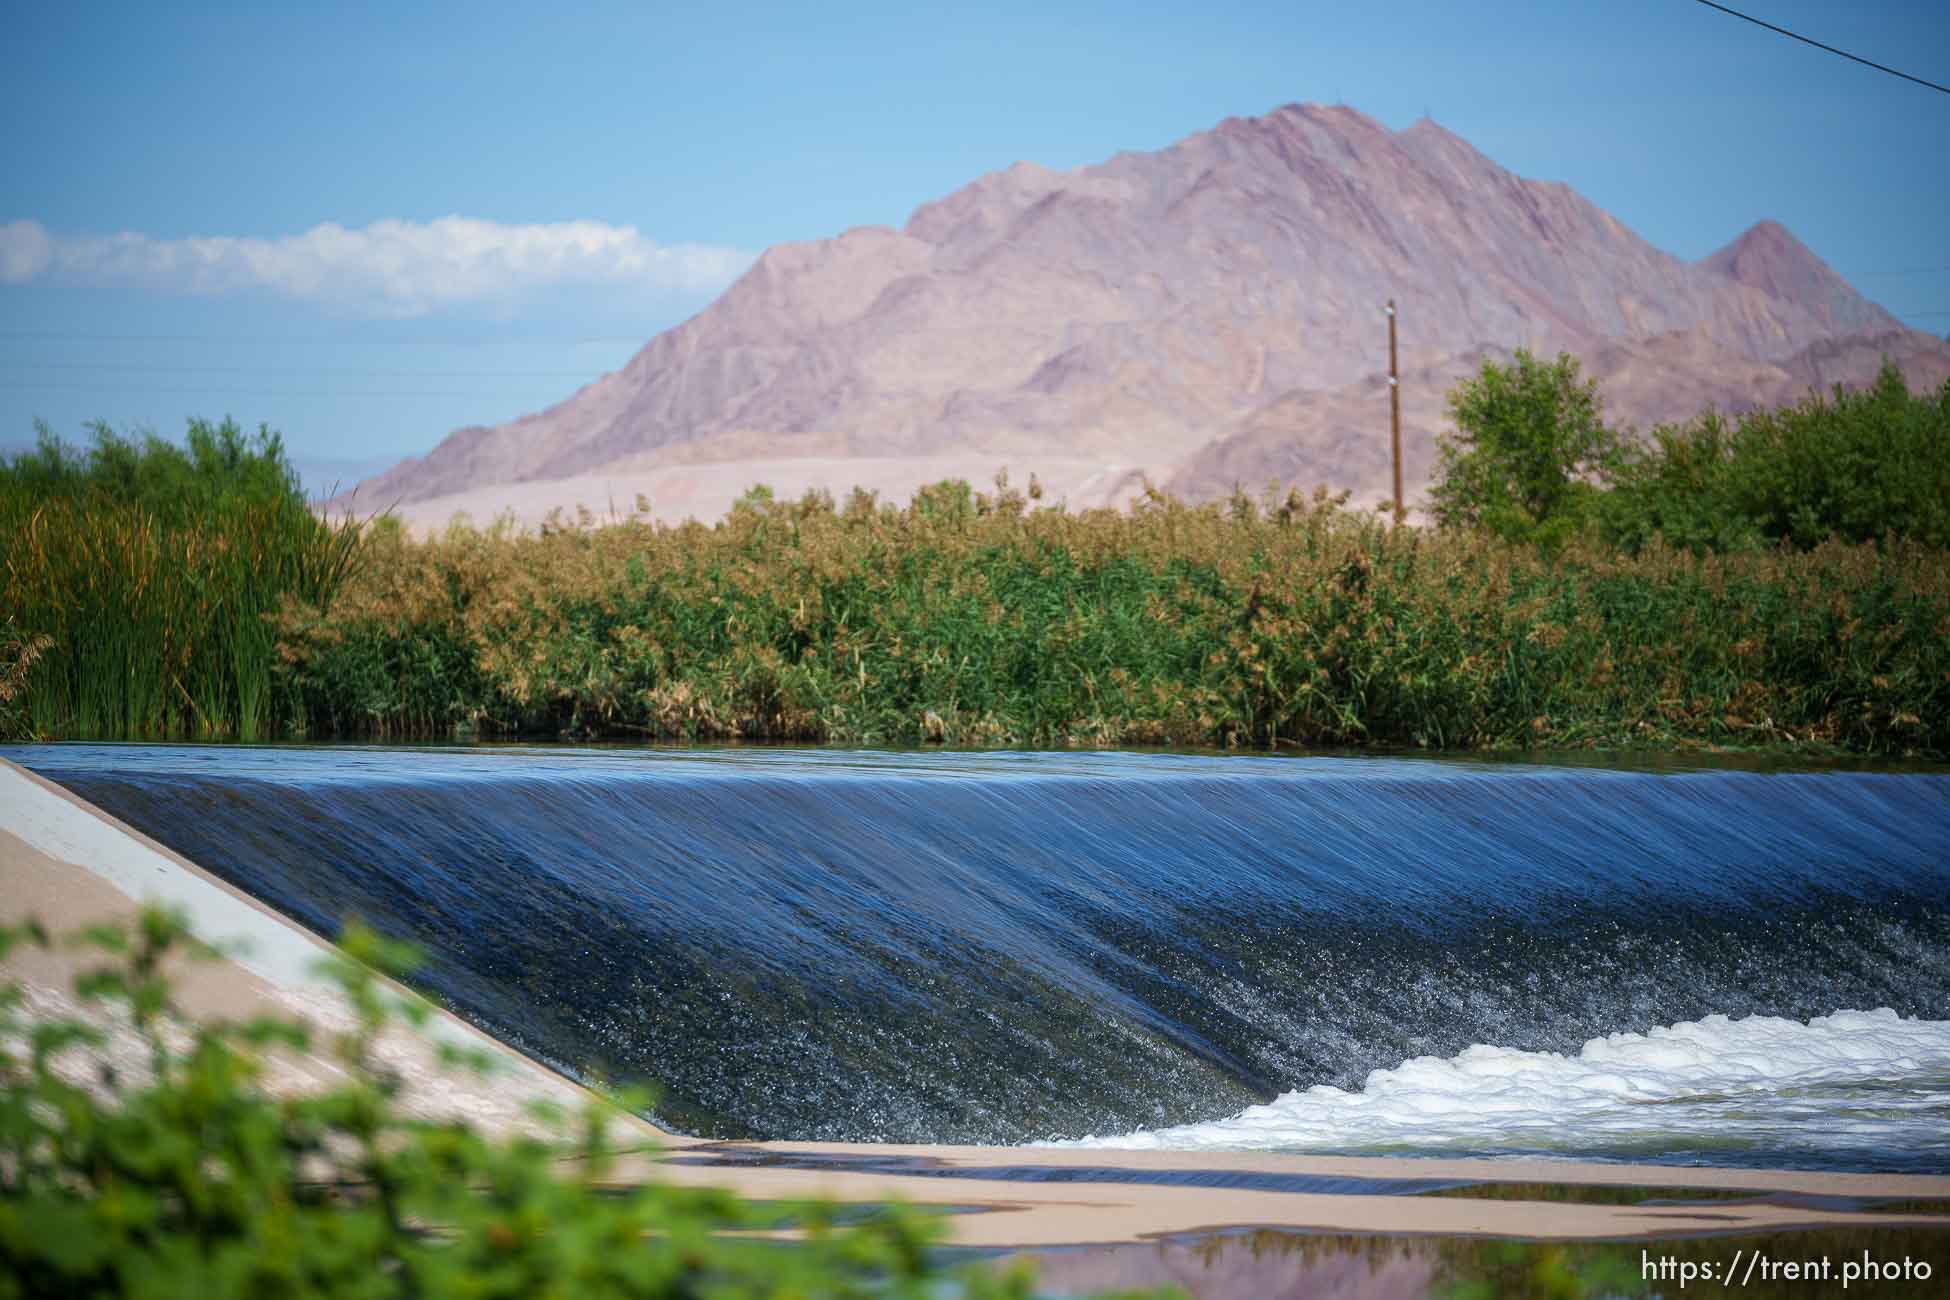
(1204, 315)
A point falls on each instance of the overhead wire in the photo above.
(1809, 40)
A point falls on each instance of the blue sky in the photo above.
(167, 169)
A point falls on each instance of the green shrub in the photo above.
(1531, 461)
(192, 1180)
(1858, 466)
(1679, 485)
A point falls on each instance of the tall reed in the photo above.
(150, 570)
(18, 655)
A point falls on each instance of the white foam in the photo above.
(1852, 1080)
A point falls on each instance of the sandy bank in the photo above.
(70, 864)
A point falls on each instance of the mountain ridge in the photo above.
(1141, 310)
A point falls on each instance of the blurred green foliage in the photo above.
(184, 1176)
(1536, 1270)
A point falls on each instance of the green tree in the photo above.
(1529, 440)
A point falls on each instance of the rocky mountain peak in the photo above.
(1769, 258)
(1139, 309)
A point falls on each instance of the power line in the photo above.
(1797, 36)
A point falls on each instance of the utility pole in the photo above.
(1395, 410)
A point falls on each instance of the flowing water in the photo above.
(1323, 954)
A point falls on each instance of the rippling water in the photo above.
(1297, 953)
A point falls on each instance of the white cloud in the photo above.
(389, 268)
(25, 251)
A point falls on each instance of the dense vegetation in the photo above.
(146, 569)
(1533, 461)
(183, 1175)
(1779, 579)
(971, 620)
(1855, 465)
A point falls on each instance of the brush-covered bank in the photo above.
(971, 618)
(158, 591)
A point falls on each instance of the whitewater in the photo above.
(1845, 1087)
